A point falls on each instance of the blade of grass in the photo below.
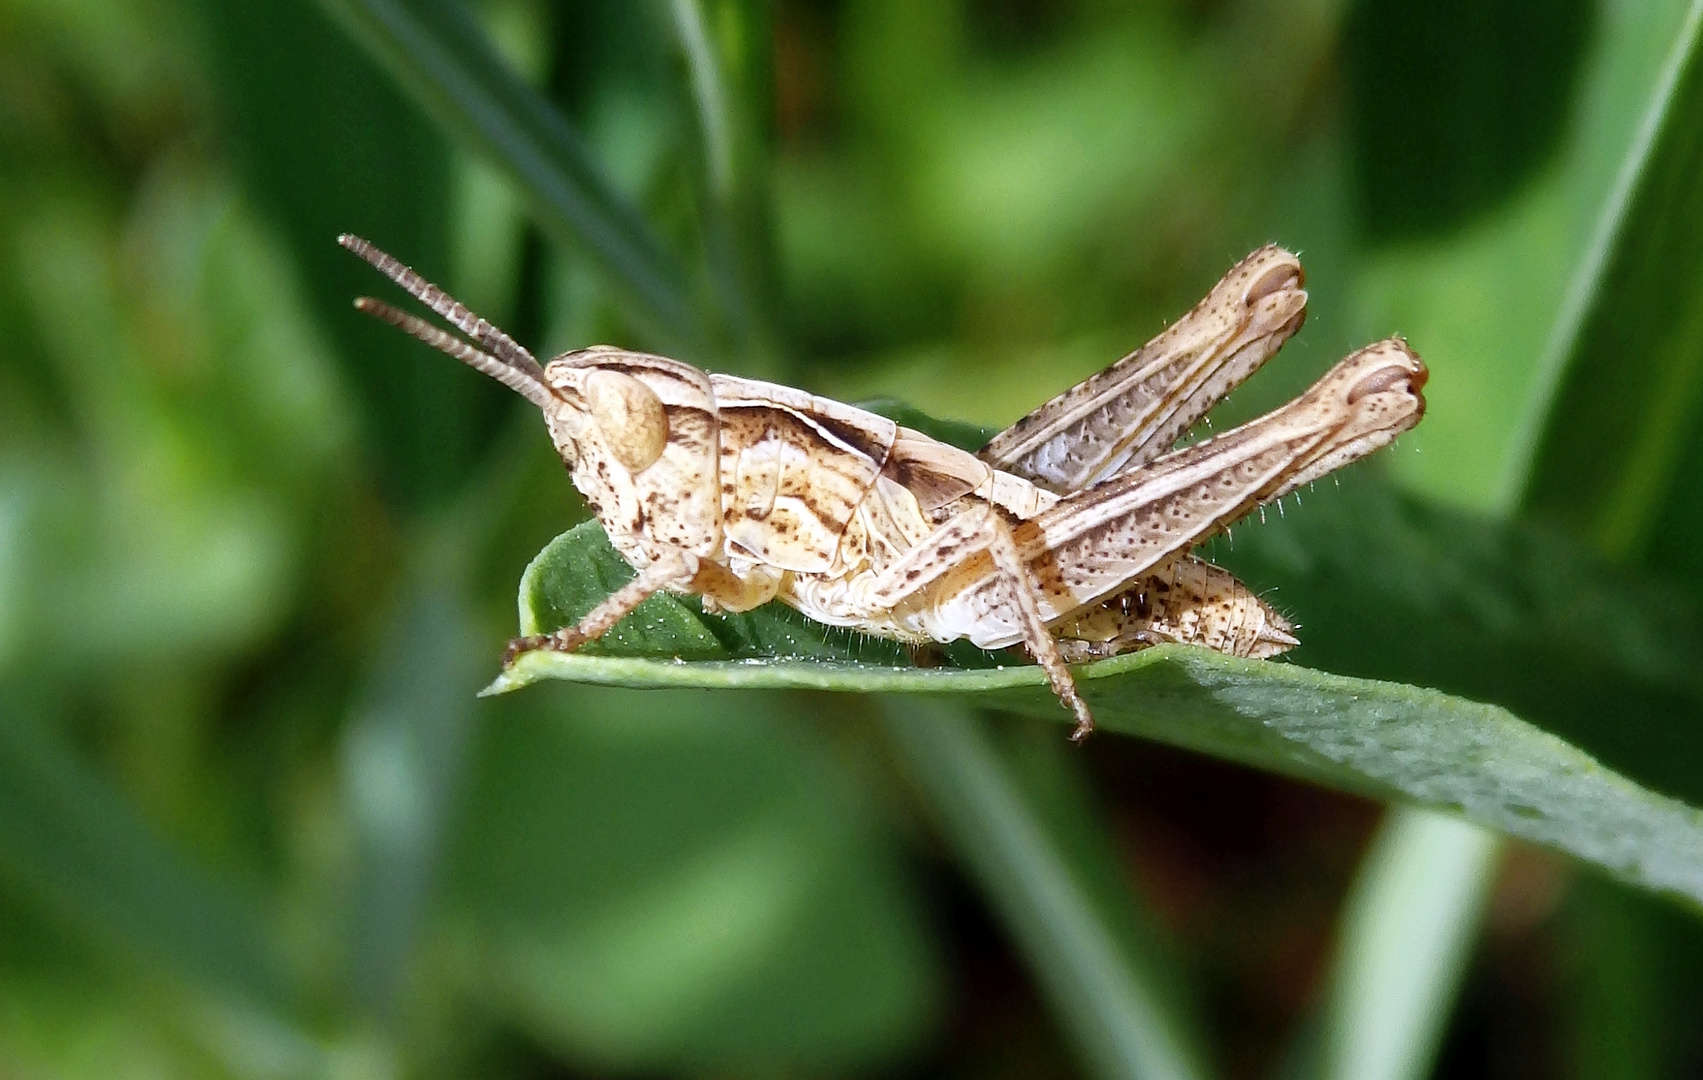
(707, 91)
(403, 760)
(72, 840)
(727, 168)
(1403, 947)
(709, 95)
(440, 56)
(1616, 391)
(1106, 987)
(1619, 380)
(1620, 442)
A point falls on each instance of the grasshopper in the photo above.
(1069, 533)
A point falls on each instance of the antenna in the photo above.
(507, 351)
(522, 382)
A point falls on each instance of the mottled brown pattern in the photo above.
(1185, 600)
(741, 490)
(793, 493)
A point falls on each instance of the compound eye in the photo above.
(630, 417)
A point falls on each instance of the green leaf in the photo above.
(1386, 740)
(580, 567)
(1385, 585)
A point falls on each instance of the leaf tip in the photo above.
(507, 681)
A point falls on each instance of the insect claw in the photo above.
(519, 645)
(1084, 727)
(566, 639)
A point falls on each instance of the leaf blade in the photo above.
(1052, 881)
(440, 57)
(1403, 947)
(1385, 740)
(1617, 381)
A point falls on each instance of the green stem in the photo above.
(1106, 986)
(1406, 937)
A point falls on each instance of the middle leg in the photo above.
(972, 533)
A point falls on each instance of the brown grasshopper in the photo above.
(1069, 533)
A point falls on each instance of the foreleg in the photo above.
(673, 568)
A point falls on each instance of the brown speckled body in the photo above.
(817, 503)
(1069, 533)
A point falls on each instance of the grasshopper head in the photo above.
(639, 435)
(637, 432)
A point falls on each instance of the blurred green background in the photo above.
(258, 553)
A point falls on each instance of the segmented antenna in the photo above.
(521, 382)
(505, 349)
